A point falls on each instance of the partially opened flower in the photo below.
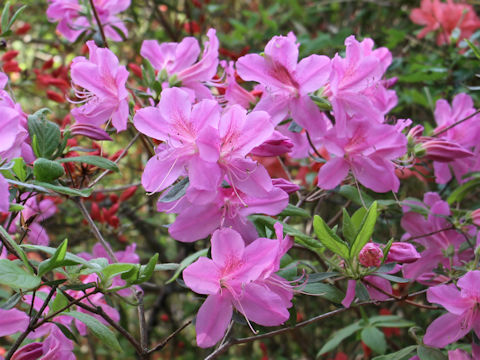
(235, 278)
(100, 84)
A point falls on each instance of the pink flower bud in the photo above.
(476, 217)
(443, 150)
(415, 131)
(31, 351)
(370, 255)
(277, 145)
(93, 132)
(388, 83)
(285, 185)
(402, 252)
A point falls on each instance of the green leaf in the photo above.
(352, 193)
(11, 302)
(55, 261)
(66, 331)
(103, 333)
(328, 238)
(366, 231)
(64, 190)
(428, 353)
(166, 267)
(338, 337)
(326, 291)
(374, 339)
(97, 161)
(58, 303)
(146, 271)
(475, 49)
(389, 277)
(5, 16)
(361, 291)
(20, 169)
(176, 191)
(292, 210)
(45, 134)
(6, 236)
(187, 261)
(349, 230)
(14, 276)
(389, 321)
(317, 277)
(14, 17)
(403, 354)
(74, 259)
(460, 192)
(357, 218)
(113, 270)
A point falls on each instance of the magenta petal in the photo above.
(227, 244)
(203, 276)
(445, 330)
(259, 304)
(176, 106)
(377, 174)
(213, 319)
(449, 297)
(160, 173)
(350, 295)
(4, 195)
(150, 122)
(312, 73)
(12, 321)
(195, 223)
(332, 173)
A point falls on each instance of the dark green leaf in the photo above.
(352, 193)
(176, 191)
(338, 337)
(58, 303)
(45, 134)
(66, 331)
(103, 333)
(428, 353)
(390, 321)
(97, 161)
(391, 277)
(64, 190)
(374, 339)
(326, 291)
(328, 238)
(292, 210)
(361, 291)
(11, 302)
(403, 354)
(317, 277)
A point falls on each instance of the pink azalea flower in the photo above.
(367, 148)
(287, 83)
(14, 138)
(191, 141)
(234, 93)
(355, 86)
(229, 208)
(103, 81)
(445, 18)
(4, 195)
(55, 347)
(12, 321)
(464, 134)
(459, 355)
(276, 145)
(180, 60)
(239, 277)
(437, 244)
(463, 310)
(71, 21)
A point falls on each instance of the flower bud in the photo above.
(402, 252)
(31, 351)
(93, 132)
(370, 255)
(285, 185)
(275, 146)
(476, 217)
(443, 150)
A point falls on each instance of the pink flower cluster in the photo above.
(72, 19)
(444, 18)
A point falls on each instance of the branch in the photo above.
(456, 123)
(99, 23)
(164, 342)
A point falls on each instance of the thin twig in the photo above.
(313, 146)
(99, 23)
(164, 342)
(456, 123)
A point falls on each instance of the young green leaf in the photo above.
(45, 134)
(146, 271)
(55, 261)
(365, 232)
(403, 354)
(349, 230)
(328, 238)
(14, 276)
(6, 237)
(64, 190)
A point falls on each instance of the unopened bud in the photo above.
(402, 252)
(90, 131)
(370, 255)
